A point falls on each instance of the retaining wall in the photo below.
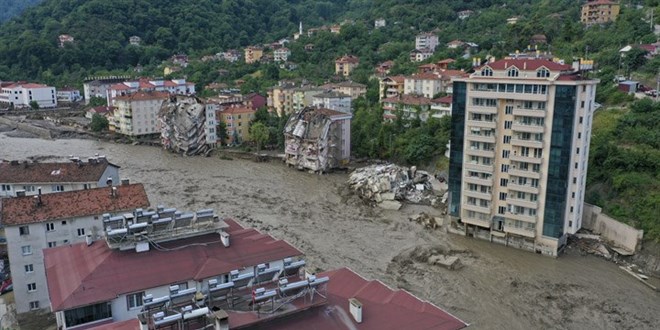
(610, 229)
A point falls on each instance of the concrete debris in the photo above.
(382, 183)
(182, 125)
(449, 262)
(317, 139)
(426, 220)
(390, 205)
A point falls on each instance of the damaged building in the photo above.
(183, 125)
(318, 139)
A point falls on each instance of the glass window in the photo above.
(26, 250)
(50, 226)
(134, 300)
(29, 268)
(24, 230)
(32, 287)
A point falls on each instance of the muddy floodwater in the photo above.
(497, 287)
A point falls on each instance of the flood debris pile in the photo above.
(317, 139)
(388, 185)
(435, 255)
(182, 120)
(426, 220)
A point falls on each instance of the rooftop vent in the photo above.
(125, 182)
(355, 307)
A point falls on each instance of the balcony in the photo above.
(524, 173)
(482, 124)
(520, 127)
(508, 95)
(527, 143)
(476, 208)
(533, 160)
(480, 181)
(475, 222)
(520, 231)
(524, 188)
(529, 112)
(478, 167)
(478, 194)
(521, 217)
(480, 138)
(523, 202)
(483, 109)
(481, 152)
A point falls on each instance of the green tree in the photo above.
(99, 123)
(221, 132)
(260, 134)
(34, 105)
(96, 101)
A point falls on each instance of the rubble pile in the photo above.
(426, 220)
(182, 125)
(387, 185)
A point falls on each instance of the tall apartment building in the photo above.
(345, 65)
(35, 223)
(426, 40)
(137, 114)
(519, 150)
(599, 12)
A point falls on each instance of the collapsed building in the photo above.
(183, 125)
(317, 139)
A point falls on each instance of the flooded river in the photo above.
(496, 288)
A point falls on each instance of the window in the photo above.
(581, 119)
(52, 244)
(57, 188)
(579, 135)
(577, 151)
(34, 304)
(504, 182)
(501, 210)
(6, 187)
(508, 109)
(32, 287)
(505, 168)
(86, 186)
(24, 230)
(50, 226)
(66, 241)
(571, 209)
(513, 72)
(573, 195)
(582, 104)
(28, 188)
(507, 139)
(505, 153)
(29, 268)
(64, 223)
(574, 180)
(26, 249)
(134, 300)
(487, 72)
(535, 183)
(81, 231)
(533, 197)
(543, 73)
(502, 196)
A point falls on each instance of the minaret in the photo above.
(300, 28)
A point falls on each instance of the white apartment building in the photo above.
(211, 122)
(137, 114)
(426, 40)
(419, 55)
(98, 86)
(21, 94)
(25, 178)
(333, 101)
(281, 54)
(68, 94)
(35, 223)
(441, 107)
(174, 86)
(519, 151)
(425, 84)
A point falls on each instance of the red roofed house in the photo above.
(421, 54)
(240, 279)
(26, 178)
(137, 114)
(523, 125)
(237, 119)
(174, 86)
(392, 86)
(424, 84)
(20, 94)
(35, 223)
(441, 107)
(103, 110)
(384, 68)
(345, 65)
(255, 101)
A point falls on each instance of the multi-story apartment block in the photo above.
(426, 40)
(174, 86)
(26, 179)
(392, 87)
(334, 101)
(98, 86)
(519, 149)
(411, 106)
(281, 55)
(350, 88)
(253, 54)
(34, 223)
(599, 12)
(237, 119)
(304, 96)
(280, 98)
(424, 84)
(137, 114)
(419, 55)
(21, 94)
(345, 65)
(441, 107)
(211, 109)
(68, 94)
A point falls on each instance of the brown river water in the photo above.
(497, 287)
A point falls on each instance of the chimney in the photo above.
(125, 182)
(355, 307)
(37, 201)
(89, 240)
(224, 237)
(221, 320)
(113, 191)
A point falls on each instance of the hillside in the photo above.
(11, 8)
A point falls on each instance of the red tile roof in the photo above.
(447, 61)
(348, 59)
(398, 79)
(72, 204)
(382, 308)
(409, 99)
(445, 100)
(120, 87)
(132, 324)
(80, 275)
(53, 172)
(528, 64)
(425, 76)
(32, 85)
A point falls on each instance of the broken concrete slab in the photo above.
(392, 182)
(449, 262)
(390, 205)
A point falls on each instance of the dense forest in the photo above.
(12, 8)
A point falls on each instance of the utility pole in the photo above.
(657, 85)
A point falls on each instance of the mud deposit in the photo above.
(495, 287)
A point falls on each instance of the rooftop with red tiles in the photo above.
(71, 204)
(69, 172)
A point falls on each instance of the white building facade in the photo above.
(20, 95)
(426, 40)
(424, 84)
(137, 114)
(333, 101)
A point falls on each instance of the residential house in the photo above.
(102, 110)
(519, 152)
(98, 86)
(426, 41)
(280, 98)
(599, 12)
(255, 101)
(309, 47)
(391, 87)
(21, 94)
(350, 88)
(345, 65)
(441, 107)
(237, 119)
(424, 84)
(171, 69)
(383, 69)
(135, 40)
(303, 96)
(444, 64)
(253, 54)
(27, 179)
(216, 86)
(379, 23)
(36, 223)
(454, 44)
(317, 139)
(419, 55)
(335, 29)
(334, 101)
(463, 14)
(64, 39)
(413, 106)
(68, 94)
(231, 55)
(512, 20)
(174, 86)
(281, 55)
(538, 39)
(137, 114)
(180, 60)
